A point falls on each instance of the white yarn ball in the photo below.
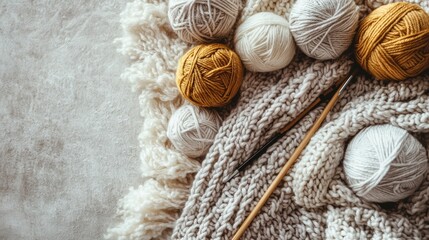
(324, 29)
(200, 21)
(264, 42)
(192, 130)
(385, 163)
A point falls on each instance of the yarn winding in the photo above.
(384, 163)
(264, 42)
(192, 130)
(200, 21)
(393, 41)
(324, 29)
(209, 75)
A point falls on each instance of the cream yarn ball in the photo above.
(324, 29)
(264, 42)
(385, 163)
(201, 21)
(192, 130)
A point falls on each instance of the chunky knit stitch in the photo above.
(314, 201)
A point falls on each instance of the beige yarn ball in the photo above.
(385, 163)
(202, 21)
(264, 42)
(324, 29)
(192, 130)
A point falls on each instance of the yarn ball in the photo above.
(385, 163)
(264, 42)
(392, 42)
(324, 29)
(209, 75)
(200, 21)
(192, 130)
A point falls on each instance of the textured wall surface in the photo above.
(68, 124)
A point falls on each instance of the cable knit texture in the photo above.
(314, 201)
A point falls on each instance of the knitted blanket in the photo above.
(314, 201)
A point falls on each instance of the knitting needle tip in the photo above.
(232, 176)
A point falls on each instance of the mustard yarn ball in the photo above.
(264, 42)
(209, 75)
(202, 21)
(392, 42)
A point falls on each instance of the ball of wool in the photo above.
(385, 163)
(209, 75)
(200, 21)
(324, 29)
(264, 42)
(192, 130)
(392, 42)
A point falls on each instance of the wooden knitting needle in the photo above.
(326, 95)
(292, 159)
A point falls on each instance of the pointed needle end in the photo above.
(232, 176)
